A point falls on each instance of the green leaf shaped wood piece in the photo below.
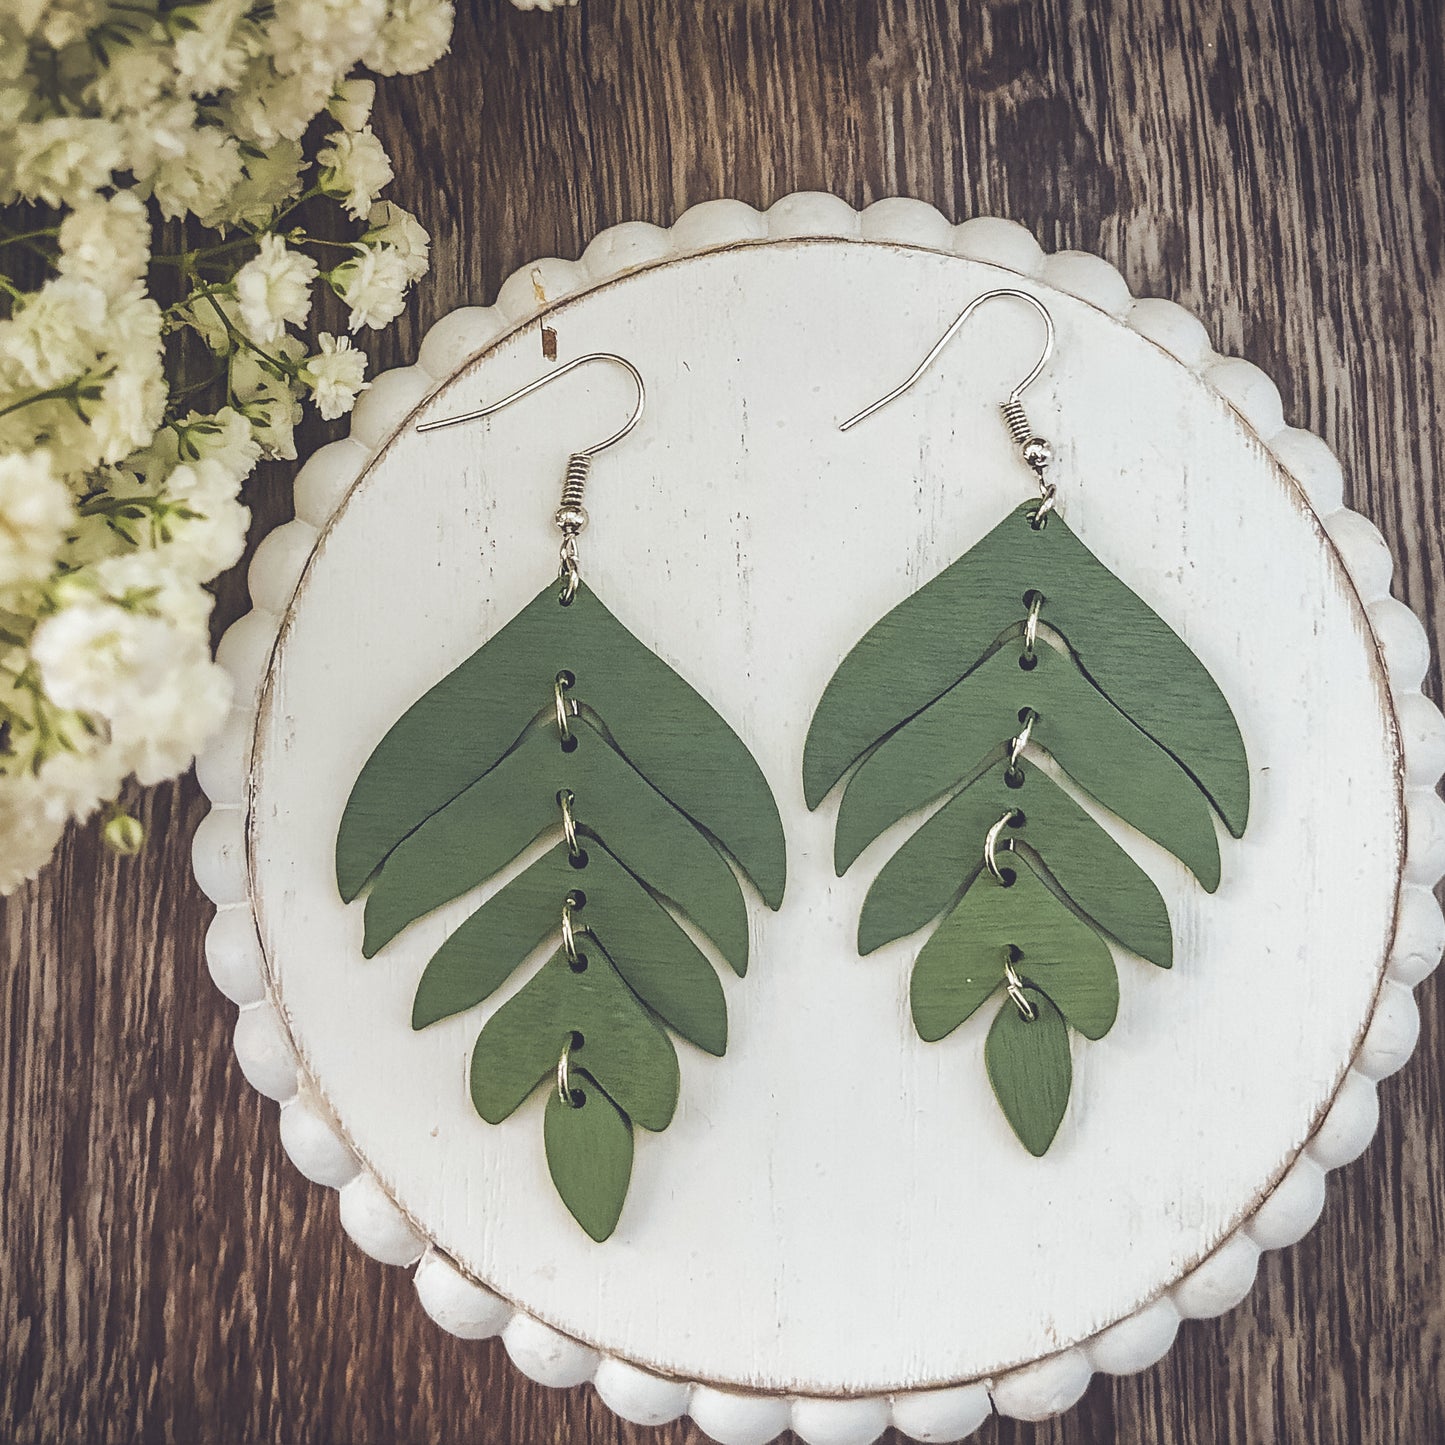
(933, 638)
(661, 964)
(622, 1046)
(1051, 948)
(1031, 1070)
(1094, 743)
(926, 706)
(922, 878)
(662, 793)
(589, 1153)
(462, 727)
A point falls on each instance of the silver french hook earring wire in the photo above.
(1036, 452)
(571, 515)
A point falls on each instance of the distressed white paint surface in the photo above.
(838, 1206)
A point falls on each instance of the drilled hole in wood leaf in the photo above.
(1014, 777)
(569, 744)
(1028, 663)
(579, 861)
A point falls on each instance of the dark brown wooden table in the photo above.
(1276, 166)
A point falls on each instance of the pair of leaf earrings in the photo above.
(565, 724)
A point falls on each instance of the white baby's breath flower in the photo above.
(144, 581)
(63, 22)
(354, 169)
(323, 34)
(135, 77)
(224, 438)
(202, 177)
(101, 659)
(35, 513)
(271, 179)
(212, 534)
(399, 229)
(212, 311)
(212, 46)
(373, 284)
(28, 831)
(162, 735)
(274, 289)
(268, 401)
(350, 107)
(53, 336)
(417, 33)
(63, 158)
(335, 375)
(106, 241)
(272, 107)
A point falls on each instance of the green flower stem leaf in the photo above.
(1030, 1069)
(1111, 759)
(1102, 880)
(931, 639)
(962, 964)
(663, 966)
(495, 819)
(462, 728)
(589, 1154)
(623, 1047)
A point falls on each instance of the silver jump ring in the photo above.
(564, 707)
(571, 580)
(1031, 623)
(991, 845)
(1021, 741)
(569, 929)
(565, 799)
(1039, 517)
(1014, 986)
(564, 1076)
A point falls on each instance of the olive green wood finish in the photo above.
(497, 817)
(1051, 947)
(462, 728)
(662, 965)
(622, 1046)
(1094, 743)
(923, 877)
(589, 1154)
(934, 637)
(1030, 1069)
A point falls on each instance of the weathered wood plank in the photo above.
(1277, 169)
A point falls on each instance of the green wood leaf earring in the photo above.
(564, 723)
(1027, 641)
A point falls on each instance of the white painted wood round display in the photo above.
(838, 1209)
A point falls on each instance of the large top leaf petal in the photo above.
(462, 727)
(931, 639)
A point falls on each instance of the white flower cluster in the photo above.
(140, 384)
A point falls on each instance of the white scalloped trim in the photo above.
(459, 1304)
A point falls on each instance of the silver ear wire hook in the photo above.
(571, 515)
(1035, 451)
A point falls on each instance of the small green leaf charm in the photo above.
(939, 701)
(1030, 1069)
(589, 1153)
(564, 724)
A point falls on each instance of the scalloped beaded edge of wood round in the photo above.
(463, 1307)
